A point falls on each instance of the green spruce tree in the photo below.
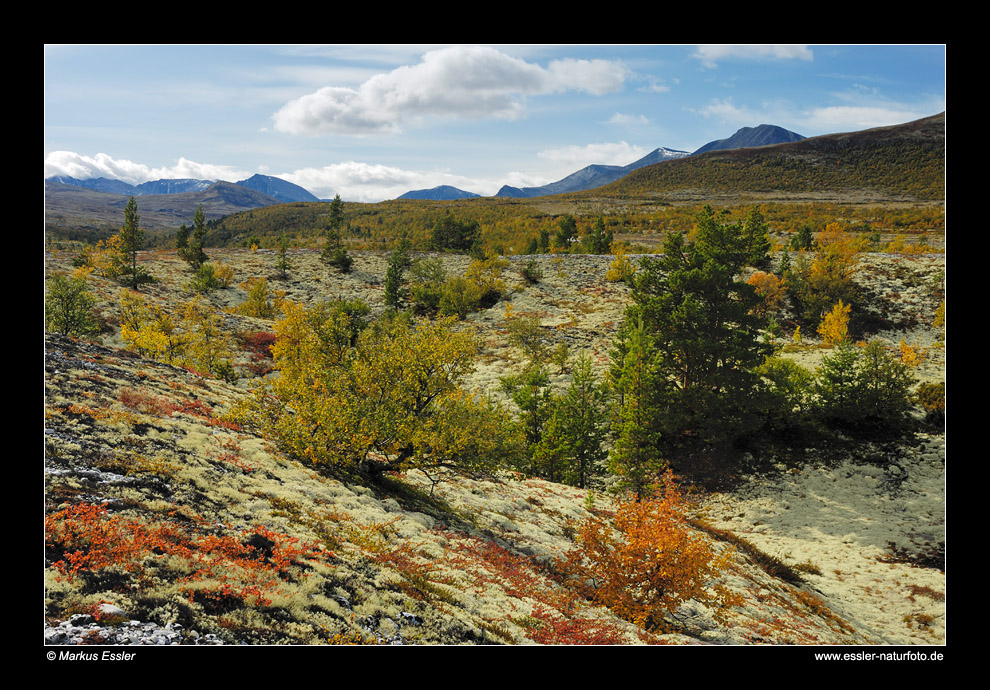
(699, 311)
(333, 253)
(637, 454)
(398, 261)
(572, 447)
(282, 262)
(194, 253)
(131, 239)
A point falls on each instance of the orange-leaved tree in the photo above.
(647, 561)
(771, 289)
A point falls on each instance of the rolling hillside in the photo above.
(886, 164)
(71, 210)
(169, 524)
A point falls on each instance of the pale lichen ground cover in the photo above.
(839, 517)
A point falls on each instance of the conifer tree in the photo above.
(194, 253)
(131, 238)
(333, 253)
(566, 232)
(574, 438)
(701, 315)
(637, 453)
(335, 222)
(182, 240)
(600, 239)
(398, 261)
(531, 393)
(282, 262)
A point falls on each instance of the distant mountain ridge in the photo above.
(274, 187)
(111, 186)
(277, 188)
(594, 176)
(441, 193)
(591, 176)
(69, 205)
(905, 161)
(748, 137)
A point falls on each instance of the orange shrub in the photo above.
(647, 561)
(770, 288)
(248, 566)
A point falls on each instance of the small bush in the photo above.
(834, 328)
(210, 277)
(260, 302)
(526, 333)
(426, 288)
(531, 272)
(69, 307)
(460, 297)
(789, 387)
(647, 561)
(862, 387)
(771, 288)
(931, 398)
(340, 260)
(621, 268)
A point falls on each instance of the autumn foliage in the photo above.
(219, 569)
(771, 289)
(382, 396)
(834, 327)
(646, 561)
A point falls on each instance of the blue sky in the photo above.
(370, 122)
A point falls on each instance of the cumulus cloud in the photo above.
(624, 120)
(460, 82)
(727, 112)
(848, 118)
(102, 165)
(827, 119)
(608, 153)
(711, 55)
(366, 182)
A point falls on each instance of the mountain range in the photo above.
(594, 176)
(591, 176)
(274, 187)
(442, 193)
(898, 161)
(588, 177)
(748, 137)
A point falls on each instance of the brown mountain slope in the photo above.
(885, 164)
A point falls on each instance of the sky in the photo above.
(371, 122)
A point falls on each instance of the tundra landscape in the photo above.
(167, 508)
(695, 401)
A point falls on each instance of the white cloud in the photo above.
(608, 153)
(624, 120)
(847, 118)
(711, 55)
(103, 165)
(366, 182)
(727, 111)
(460, 81)
(855, 114)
